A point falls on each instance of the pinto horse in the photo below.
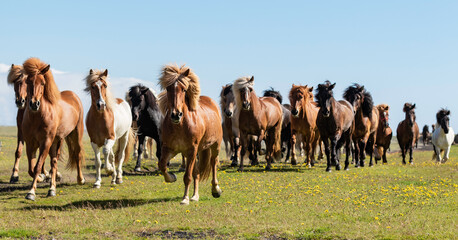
(443, 136)
(384, 133)
(366, 122)
(191, 126)
(51, 117)
(407, 132)
(303, 121)
(335, 122)
(286, 123)
(261, 117)
(108, 121)
(146, 113)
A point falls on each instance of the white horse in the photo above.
(443, 136)
(108, 120)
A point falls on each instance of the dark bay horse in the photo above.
(261, 117)
(148, 116)
(304, 121)
(426, 135)
(408, 132)
(384, 133)
(286, 123)
(366, 122)
(51, 117)
(227, 104)
(335, 122)
(191, 126)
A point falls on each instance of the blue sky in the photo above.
(402, 51)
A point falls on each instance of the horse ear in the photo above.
(311, 89)
(251, 79)
(448, 112)
(387, 108)
(105, 73)
(332, 86)
(186, 73)
(46, 69)
(12, 65)
(362, 88)
(143, 91)
(91, 72)
(413, 106)
(293, 86)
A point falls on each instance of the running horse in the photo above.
(366, 122)
(384, 133)
(261, 117)
(335, 122)
(108, 121)
(191, 126)
(426, 135)
(227, 104)
(407, 132)
(443, 136)
(50, 117)
(304, 112)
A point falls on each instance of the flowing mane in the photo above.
(16, 73)
(368, 104)
(272, 93)
(172, 74)
(353, 91)
(98, 75)
(239, 84)
(34, 66)
(323, 90)
(441, 114)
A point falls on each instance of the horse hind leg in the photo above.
(216, 190)
(108, 154)
(75, 153)
(120, 155)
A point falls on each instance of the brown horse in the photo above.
(191, 126)
(261, 117)
(227, 104)
(304, 112)
(335, 122)
(384, 133)
(426, 135)
(408, 132)
(51, 117)
(366, 122)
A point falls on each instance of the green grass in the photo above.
(383, 202)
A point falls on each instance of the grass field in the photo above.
(382, 202)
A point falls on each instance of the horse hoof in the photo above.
(118, 180)
(97, 186)
(338, 167)
(181, 169)
(137, 169)
(58, 177)
(404, 162)
(309, 165)
(328, 170)
(217, 192)
(254, 163)
(234, 164)
(51, 193)
(81, 182)
(30, 196)
(240, 170)
(371, 164)
(346, 169)
(195, 198)
(294, 162)
(184, 201)
(268, 167)
(14, 179)
(170, 177)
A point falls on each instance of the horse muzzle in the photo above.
(34, 106)
(176, 117)
(101, 105)
(246, 106)
(228, 113)
(326, 113)
(20, 103)
(295, 112)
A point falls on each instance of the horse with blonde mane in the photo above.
(443, 136)
(261, 117)
(191, 126)
(384, 133)
(51, 117)
(304, 112)
(108, 121)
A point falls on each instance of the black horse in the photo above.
(146, 112)
(286, 125)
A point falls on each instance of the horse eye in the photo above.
(184, 90)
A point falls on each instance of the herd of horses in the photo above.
(180, 120)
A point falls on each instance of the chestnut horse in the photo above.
(335, 122)
(108, 121)
(51, 117)
(366, 122)
(261, 117)
(408, 132)
(443, 136)
(303, 121)
(191, 126)
(384, 133)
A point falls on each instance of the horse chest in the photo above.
(249, 124)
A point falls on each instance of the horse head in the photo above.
(298, 97)
(384, 114)
(409, 109)
(137, 96)
(323, 97)
(97, 85)
(227, 100)
(17, 77)
(443, 119)
(244, 87)
(355, 95)
(36, 88)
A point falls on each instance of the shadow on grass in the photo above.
(100, 204)
(277, 168)
(7, 187)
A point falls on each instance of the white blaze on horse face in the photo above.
(101, 101)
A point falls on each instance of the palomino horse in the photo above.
(335, 122)
(146, 113)
(108, 121)
(303, 121)
(286, 122)
(426, 135)
(261, 117)
(51, 117)
(443, 135)
(407, 132)
(227, 104)
(384, 133)
(191, 126)
(366, 122)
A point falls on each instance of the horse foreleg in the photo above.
(293, 150)
(327, 151)
(334, 157)
(236, 152)
(166, 155)
(54, 155)
(308, 149)
(243, 144)
(411, 154)
(187, 178)
(98, 165)
(20, 144)
(44, 150)
(141, 142)
(107, 152)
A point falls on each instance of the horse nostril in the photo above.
(180, 114)
(22, 101)
(294, 112)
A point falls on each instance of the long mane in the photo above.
(15, 74)
(96, 76)
(441, 114)
(171, 74)
(239, 84)
(368, 104)
(34, 66)
(323, 89)
(272, 93)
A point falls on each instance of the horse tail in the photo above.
(75, 145)
(204, 164)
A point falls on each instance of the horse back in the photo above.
(210, 114)
(71, 114)
(272, 110)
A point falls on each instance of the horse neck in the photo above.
(309, 112)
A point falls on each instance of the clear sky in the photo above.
(402, 51)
